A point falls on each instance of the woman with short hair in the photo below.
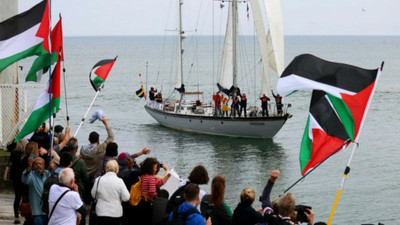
(109, 190)
(244, 214)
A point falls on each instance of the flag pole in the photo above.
(347, 170)
(141, 85)
(50, 76)
(65, 94)
(87, 111)
(308, 172)
(65, 88)
(147, 73)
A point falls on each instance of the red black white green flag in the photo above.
(25, 35)
(42, 62)
(100, 71)
(40, 112)
(340, 99)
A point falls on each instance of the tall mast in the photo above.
(180, 50)
(234, 40)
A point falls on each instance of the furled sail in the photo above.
(225, 82)
(263, 45)
(275, 35)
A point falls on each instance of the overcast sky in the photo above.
(153, 17)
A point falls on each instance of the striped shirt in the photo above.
(148, 187)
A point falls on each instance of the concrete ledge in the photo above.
(6, 207)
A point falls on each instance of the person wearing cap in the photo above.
(129, 172)
(128, 168)
(92, 152)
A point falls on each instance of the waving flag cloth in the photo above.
(100, 71)
(97, 76)
(25, 35)
(40, 111)
(341, 96)
(140, 92)
(41, 63)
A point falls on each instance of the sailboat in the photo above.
(199, 117)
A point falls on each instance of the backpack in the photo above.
(176, 199)
(136, 193)
(206, 208)
(52, 179)
(181, 220)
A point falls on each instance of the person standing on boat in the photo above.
(225, 106)
(278, 101)
(243, 105)
(235, 105)
(264, 105)
(158, 98)
(152, 93)
(217, 99)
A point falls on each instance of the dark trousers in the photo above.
(18, 191)
(235, 109)
(265, 111)
(145, 210)
(105, 220)
(279, 108)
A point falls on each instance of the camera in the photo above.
(161, 165)
(301, 216)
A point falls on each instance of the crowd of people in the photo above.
(59, 185)
(239, 106)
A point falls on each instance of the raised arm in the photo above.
(265, 197)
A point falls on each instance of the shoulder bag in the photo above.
(93, 214)
(55, 204)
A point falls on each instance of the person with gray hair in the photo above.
(34, 176)
(78, 165)
(109, 190)
(65, 204)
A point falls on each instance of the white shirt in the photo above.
(65, 212)
(111, 191)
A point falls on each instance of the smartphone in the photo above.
(31, 156)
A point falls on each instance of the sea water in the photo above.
(371, 193)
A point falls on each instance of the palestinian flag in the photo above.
(40, 111)
(42, 62)
(100, 71)
(25, 35)
(140, 92)
(339, 103)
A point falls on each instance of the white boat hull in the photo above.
(249, 127)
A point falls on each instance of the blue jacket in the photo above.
(35, 182)
(192, 219)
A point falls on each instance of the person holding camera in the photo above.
(285, 206)
(149, 185)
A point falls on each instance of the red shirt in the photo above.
(148, 187)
